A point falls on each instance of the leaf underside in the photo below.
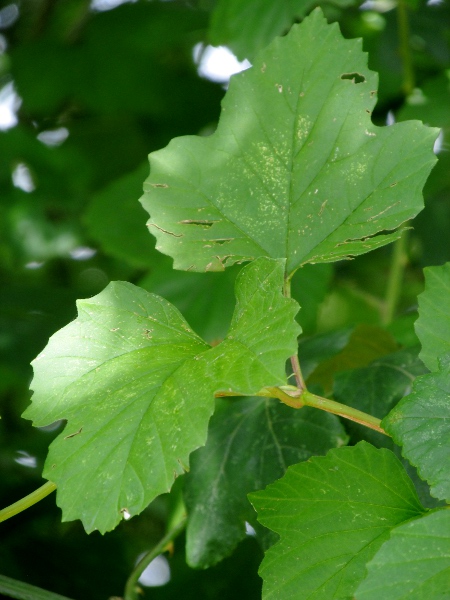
(295, 169)
(251, 442)
(137, 385)
(332, 514)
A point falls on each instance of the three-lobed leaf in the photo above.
(137, 386)
(251, 442)
(414, 563)
(295, 169)
(332, 514)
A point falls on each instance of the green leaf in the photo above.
(137, 386)
(332, 514)
(295, 169)
(251, 442)
(375, 390)
(414, 563)
(420, 423)
(433, 324)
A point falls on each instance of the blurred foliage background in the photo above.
(87, 89)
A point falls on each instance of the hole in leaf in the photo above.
(354, 77)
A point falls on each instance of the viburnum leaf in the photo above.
(420, 423)
(251, 442)
(413, 564)
(296, 169)
(433, 324)
(137, 386)
(332, 514)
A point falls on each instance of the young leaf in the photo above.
(332, 513)
(295, 169)
(251, 442)
(414, 563)
(433, 324)
(420, 423)
(137, 388)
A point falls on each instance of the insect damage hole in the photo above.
(354, 77)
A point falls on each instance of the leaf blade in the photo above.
(296, 169)
(332, 514)
(250, 443)
(137, 388)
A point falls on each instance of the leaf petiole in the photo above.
(347, 412)
(297, 398)
(27, 501)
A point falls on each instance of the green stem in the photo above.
(24, 591)
(405, 47)
(297, 398)
(28, 501)
(342, 411)
(132, 591)
(395, 278)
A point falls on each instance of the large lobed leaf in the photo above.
(251, 442)
(295, 169)
(414, 564)
(332, 514)
(137, 385)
